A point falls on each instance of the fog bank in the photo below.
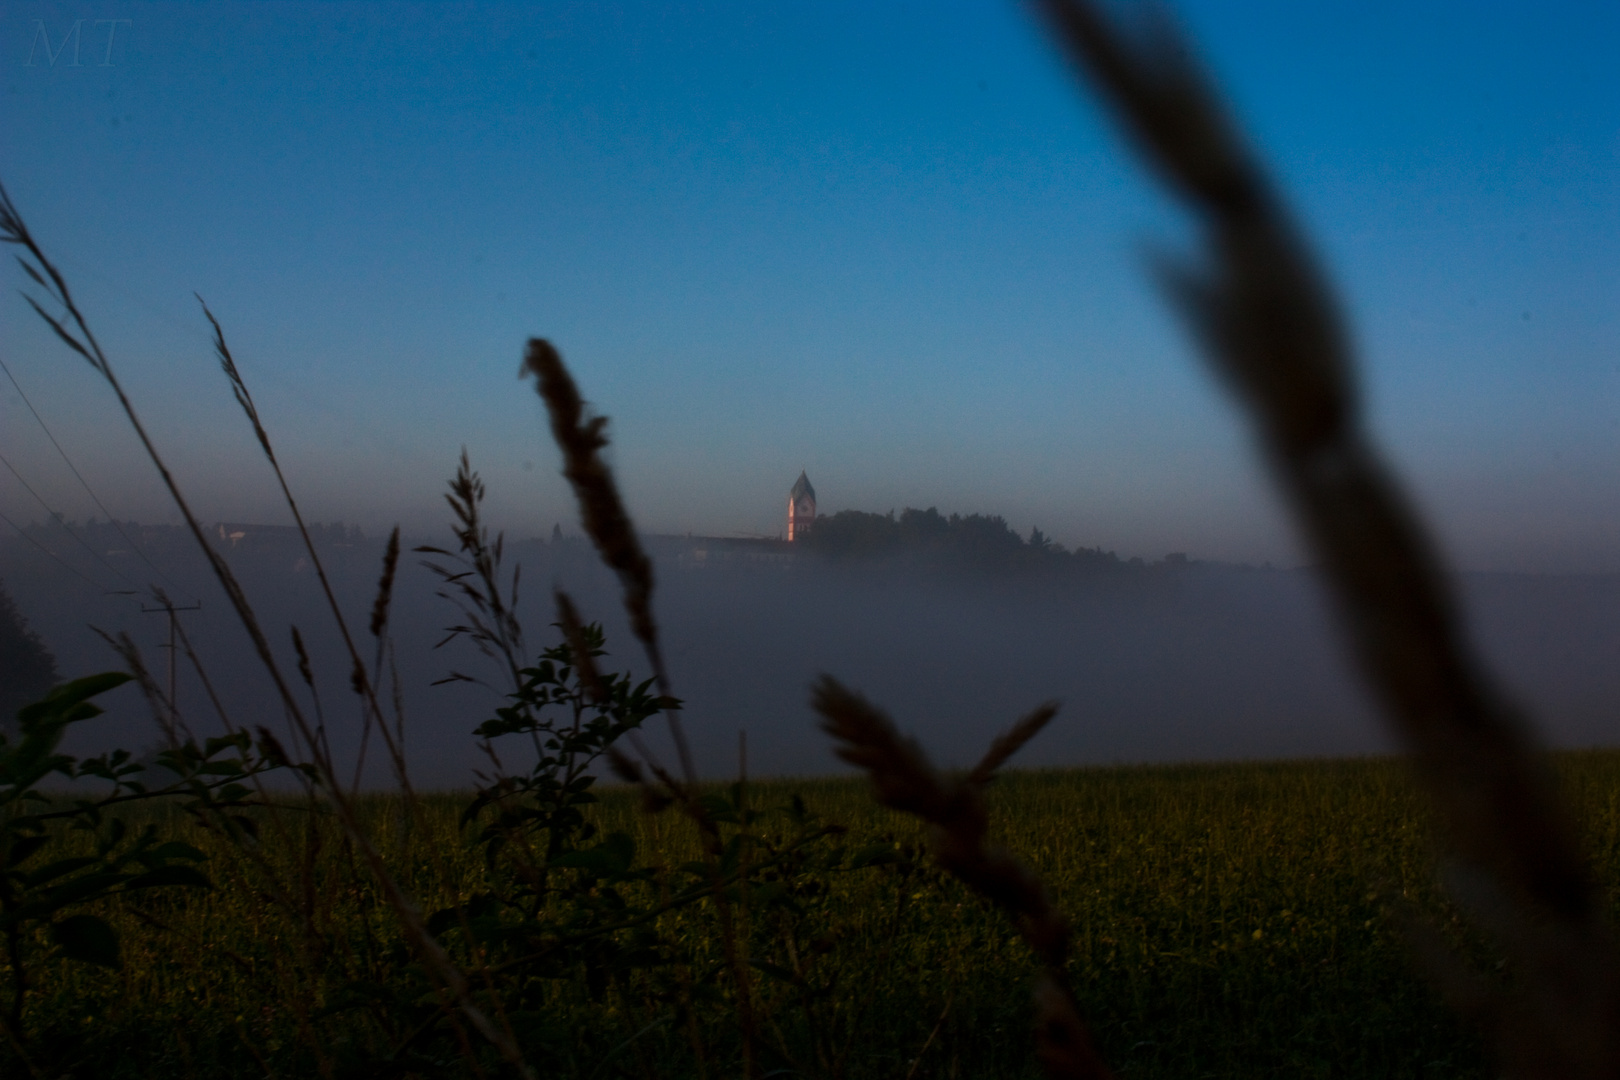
(1154, 664)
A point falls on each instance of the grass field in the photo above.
(1229, 920)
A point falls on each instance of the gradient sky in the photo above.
(892, 244)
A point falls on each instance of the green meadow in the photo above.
(1229, 920)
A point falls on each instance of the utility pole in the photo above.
(172, 611)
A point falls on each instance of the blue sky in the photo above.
(892, 244)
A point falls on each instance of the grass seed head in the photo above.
(601, 509)
(385, 585)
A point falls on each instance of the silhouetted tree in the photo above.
(27, 668)
(978, 541)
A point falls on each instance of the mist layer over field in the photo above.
(1167, 662)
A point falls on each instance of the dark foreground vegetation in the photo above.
(1228, 921)
(27, 668)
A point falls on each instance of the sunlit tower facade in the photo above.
(801, 508)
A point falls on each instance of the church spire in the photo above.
(801, 508)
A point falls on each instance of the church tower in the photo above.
(801, 508)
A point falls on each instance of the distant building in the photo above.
(801, 508)
(258, 536)
(714, 552)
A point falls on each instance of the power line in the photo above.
(58, 517)
(163, 312)
(67, 565)
(84, 483)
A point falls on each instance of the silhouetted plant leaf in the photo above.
(60, 868)
(173, 874)
(89, 939)
(24, 848)
(70, 702)
(177, 849)
(874, 855)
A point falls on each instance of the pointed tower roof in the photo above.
(801, 487)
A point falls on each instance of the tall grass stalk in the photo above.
(74, 331)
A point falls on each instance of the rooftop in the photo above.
(801, 487)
